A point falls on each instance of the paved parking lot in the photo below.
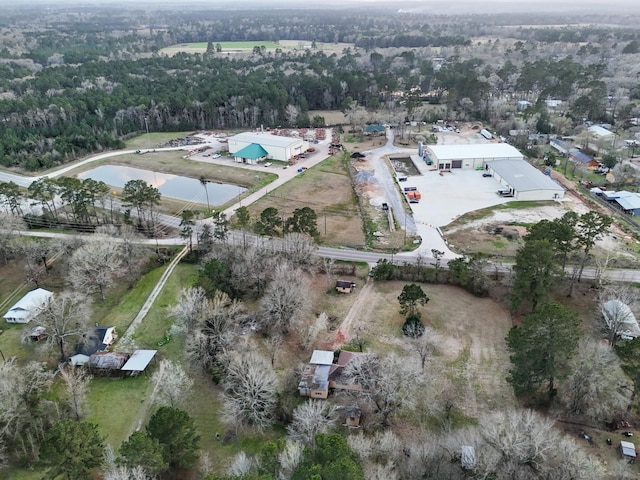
(445, 197)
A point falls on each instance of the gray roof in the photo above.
(266, 139)
(522, 176)
(488, 151)
(629, 202)
(139, 360)
(628, 449)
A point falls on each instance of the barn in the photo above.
(523, 181)
(252, 147)
(447, 157)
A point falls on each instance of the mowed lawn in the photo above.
(201, 47)
(325, 188)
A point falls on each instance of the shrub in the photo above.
(413, 326)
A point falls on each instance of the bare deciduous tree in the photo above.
(290, 457)
(594, 386)
(318, 325)
(241, 465)
(250, 389)
(299, 250)
(95, 265)
(273, 344)
(23, 414)
(616, 307)
(309, 419)
(76, 384)
(380, 454)
(390, 383)
(215, 331)
(11, 224)
(286, 299)
(190, 308)
(172, 386)
(425, 344)
(66, 319)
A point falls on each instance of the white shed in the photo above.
(28, 306)
(628, 450)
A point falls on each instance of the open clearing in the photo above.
(471, 355)
(326, 188)
(247, 47)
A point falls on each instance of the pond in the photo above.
(171, 186)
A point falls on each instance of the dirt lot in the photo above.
(472, 353)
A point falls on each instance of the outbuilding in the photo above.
(584, 159)
(470, 156)
(628, 451)
(28, 306)
(523, 181)
(275, 147)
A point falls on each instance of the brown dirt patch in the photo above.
(472, 354)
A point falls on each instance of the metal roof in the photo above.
(488, 151)
(322, 357)
(266, 139)
(139, 360)
(252, 151)
(582, 157)
(629, 202)
(599, 131)
(31, 301)
(628, 449)
(522, 176)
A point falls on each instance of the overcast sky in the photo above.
(432, 6)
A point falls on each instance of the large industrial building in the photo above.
(447, 157)
(523, 181)
(254, 147)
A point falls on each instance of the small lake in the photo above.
(171, 186)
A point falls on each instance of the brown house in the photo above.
(344, 286)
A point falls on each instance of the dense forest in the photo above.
(81, 79)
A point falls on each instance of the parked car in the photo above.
(216, 155)
(268, 164)
(487, 175)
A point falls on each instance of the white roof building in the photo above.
(28, 306)
(447, 157)
(524, 181)
(139, 360)
(600, 132)
(628, 449)
(322, 357)
(277, 147)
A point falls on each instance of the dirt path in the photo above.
(344, 332)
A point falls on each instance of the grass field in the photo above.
(247, 47)
(326, 188)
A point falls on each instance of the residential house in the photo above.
(344, 286)
(561, 146)
(322, 374)
(584, 159)
(600, 132)
(28, 306)
(98, 341)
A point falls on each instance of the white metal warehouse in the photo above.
(523, 181)
(277, 148)
(447, 157)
